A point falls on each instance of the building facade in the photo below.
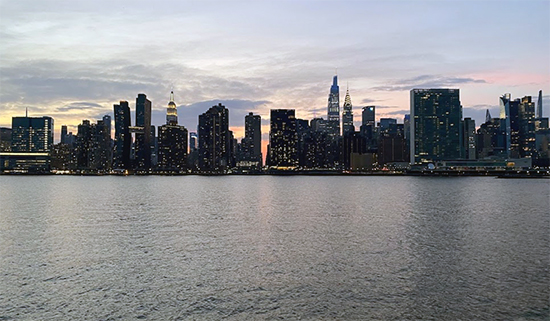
(283, 139)
(436, 116)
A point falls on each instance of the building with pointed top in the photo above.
(172, 111)
(333, 108)
(172, 142)
(347, 115)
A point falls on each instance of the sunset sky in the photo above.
(73, 60)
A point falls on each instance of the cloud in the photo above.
(427, 81)
(78, 106)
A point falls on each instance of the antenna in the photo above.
(26, 112)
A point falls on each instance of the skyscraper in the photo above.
(252, 142)
(368, 114)
(214, 139)
(64, 133)
(283, 138)
(526, 124)
(347, 115)
(31, 134)
(171, 111)
(539, 105)
(469, 139)
(333, 115)
(123, 137)
(143, 132)
(172, 141)
(436, 116)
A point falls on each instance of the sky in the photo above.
(72, 60)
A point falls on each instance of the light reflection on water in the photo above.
(267, 247)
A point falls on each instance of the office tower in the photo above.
(436, 133)
(526, 124)
(407, 131)
(143, 133)
(347, 115)
(100, 146)
(539, 105)
(392, 147)
(367, 115)
(107, 124)
(171, 111)
(123, 137)
(283, 139)
(172, 141)
(333, 115)
(385, 123)
(469, 139)
(193, 141)
(504, 103)
(31, 134)
(251, 145)
(5, 139)
(83, 145)
(491, 138)
(214, 139)
(63, 137)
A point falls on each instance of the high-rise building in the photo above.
(143, 139)
(64, 134)
(333, 114)
(539, 105)
(107, 124)
(385, 123)
(5, 139)
(347, 115)
(436, 116)
(252, 142)
(31, 134)
(214, 139)
(171, 111)
(526, 132)
(193, 141)
(469, 139)
(367, 115)
(123, 137)
(172, 141)
(283, 139)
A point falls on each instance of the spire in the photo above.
(488, 116)
(539, 105)
(26, 112)
(172, 96)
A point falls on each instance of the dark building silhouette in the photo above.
(392, 147)
(283, 139)
(491, 138)
(347, 115)
(333, 108)
(123, 137)
(469, 139)
(251, 145)
(142, 130)
(436, 116)
(367, 115)
(214, 140)
(93, 147)
(31, 134)
(172, 141)
(5, 139)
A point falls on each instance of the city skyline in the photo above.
(73, 62)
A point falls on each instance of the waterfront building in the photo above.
(347, 115)
(250, 150)
(283, 139)
(31, 134)
(5, 139)
(436, 133)
(123, 137)
(333, 108)
(469, 139)
(172, 111)
(491, 138)
(172, 141)
(214, 139)
(142, 132)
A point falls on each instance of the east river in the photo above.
(274, 247)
